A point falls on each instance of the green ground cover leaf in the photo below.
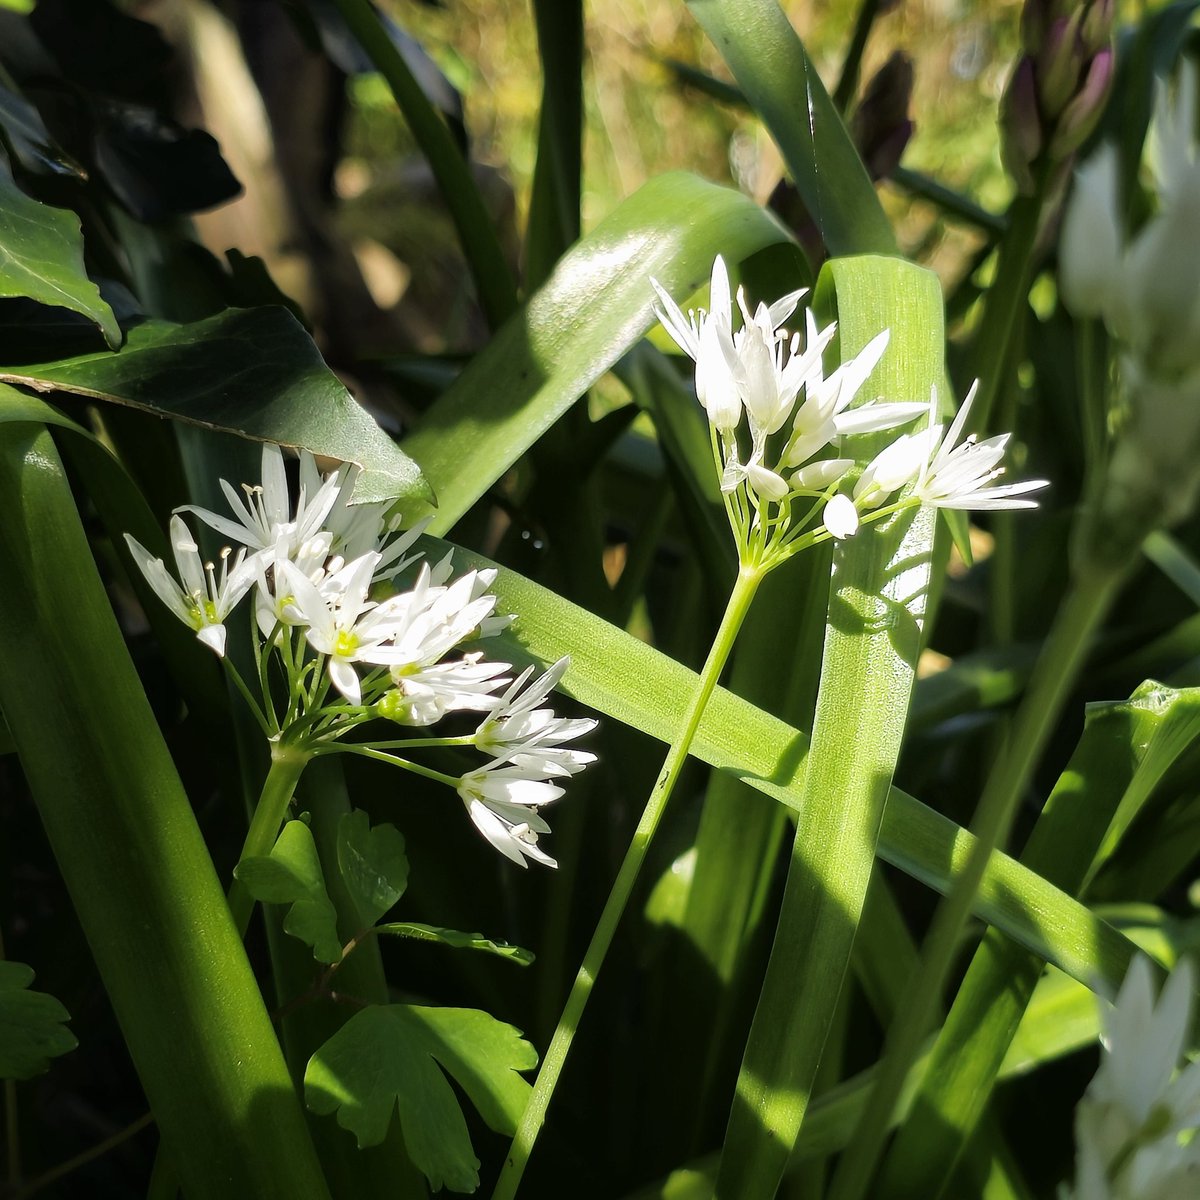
(32, 1025)
(391, 1057)
(252, 372)
(454, 937)
(372, 864)
(291, 874)
(41, 257)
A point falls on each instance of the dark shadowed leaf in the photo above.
(31, 1025)
(253, 372)
(27, 140)
(372, 863)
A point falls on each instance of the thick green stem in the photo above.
(1085, 607)
(287, 764)
(535, 1111)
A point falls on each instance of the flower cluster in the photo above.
(1136, 1123)
(353, 648)
(780, 423)
(1146, 289)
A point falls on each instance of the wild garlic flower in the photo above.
(329, 612)
(516, 730)
(1135, 1126)
(503, 800)
(769, 377)
(203, 599)
(1145, 286)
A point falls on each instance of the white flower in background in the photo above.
(265, 518)
(1090, 246)
(203, 599)
(503, 801)
(519, 732)
(1132, 1124)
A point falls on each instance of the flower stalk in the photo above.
(740, 599)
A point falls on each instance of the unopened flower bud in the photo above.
(1083, 113)
(1020, 126)
(1097, 27)
(1059, 64)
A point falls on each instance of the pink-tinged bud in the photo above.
(1097, 27)
(1083, 113)
(1059, 64)
(1020, 126)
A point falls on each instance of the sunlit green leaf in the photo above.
(41, 257)
(595, 305)
(453, 937)
(291, 874)
(392, 1057)
(32, 1029)
(372, 863)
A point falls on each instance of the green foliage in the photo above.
(291, 874)
(31, 1025)
(453, 937)
(390, 1058)
(253, 372)
(372, 864)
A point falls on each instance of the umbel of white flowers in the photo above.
(1135, 1126)
(780, 427)
(1146, 289)
(327, 607)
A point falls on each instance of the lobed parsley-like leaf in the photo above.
(372, 863)
(31, 1025)
(291, 874)
(393, 1057)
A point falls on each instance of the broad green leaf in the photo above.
(41, 257)
(623, 678)
(391, 1057)
(453, 937)
(126, 841)
(778, 78)
(595, 305)
(291, 874)
(253, 372)
(32, 1029)
(372, 864)
(872, 641)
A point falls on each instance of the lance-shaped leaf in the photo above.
(776, 75)
(1125, 750)
(595, 305)
(41, 257)
(372, 864)
(252, 372)
(391, 1057)
(131, 854)
(291, 874)
(453, 937)
(32, 1025)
